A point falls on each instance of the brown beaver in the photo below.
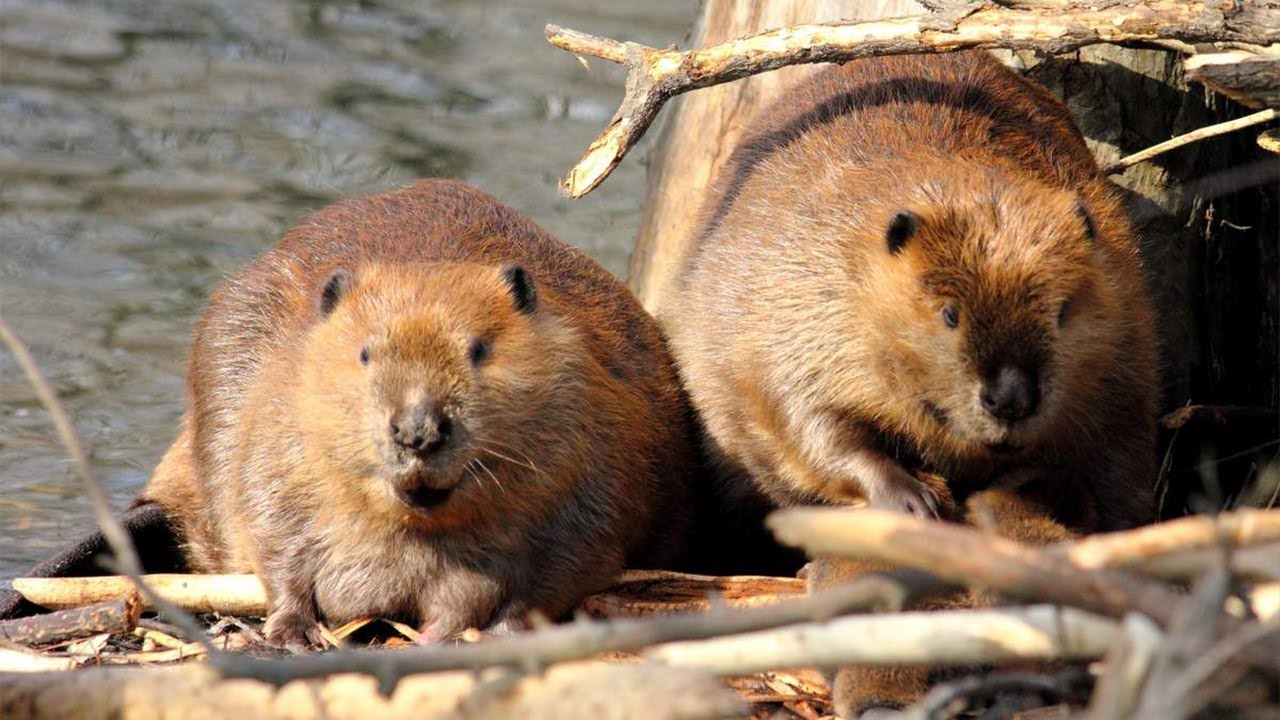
(913, 264)
(420, 405)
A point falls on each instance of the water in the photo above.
(148, 149)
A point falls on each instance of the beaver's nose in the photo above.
(423, 428)
(1011, 394)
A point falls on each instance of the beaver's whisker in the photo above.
(484, 467)
(472, 472)
(486, 446)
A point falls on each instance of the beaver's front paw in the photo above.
(903, 493)
(293, 630)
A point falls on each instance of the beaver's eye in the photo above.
(951, 315)
(478, 351)
(364, 355)
(1063, 311)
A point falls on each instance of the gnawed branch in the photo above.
(655, 76)
(940, 637)
(1179, 549)
(226, 594)
(965, 555)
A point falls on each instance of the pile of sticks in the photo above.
(1185, 615)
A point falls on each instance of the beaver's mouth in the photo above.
(424, 498)
(1004, 448)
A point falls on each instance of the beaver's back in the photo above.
(959, 105)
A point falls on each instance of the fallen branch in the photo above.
(1194, 136)
(1178, 549)
(965, 555)
(655, 76)
(226, 594)
(116, 616)
(941, 637)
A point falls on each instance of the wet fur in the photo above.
(807, 325)
(576, 450)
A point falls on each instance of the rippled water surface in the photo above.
(149, 148)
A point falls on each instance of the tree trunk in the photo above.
(1207, 216)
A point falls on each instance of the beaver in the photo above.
(913, 265)
(420, 405)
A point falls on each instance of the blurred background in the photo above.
(149, 148)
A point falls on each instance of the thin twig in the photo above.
(655, 76)
(1194, 136)
(119, 540)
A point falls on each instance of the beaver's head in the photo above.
(1008, 316)
(433, 382)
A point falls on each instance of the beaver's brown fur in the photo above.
(420, 405)
(913, 264)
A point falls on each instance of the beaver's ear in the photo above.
(334, 288)
(901, 227)
(1090, 229)
(523, 291)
